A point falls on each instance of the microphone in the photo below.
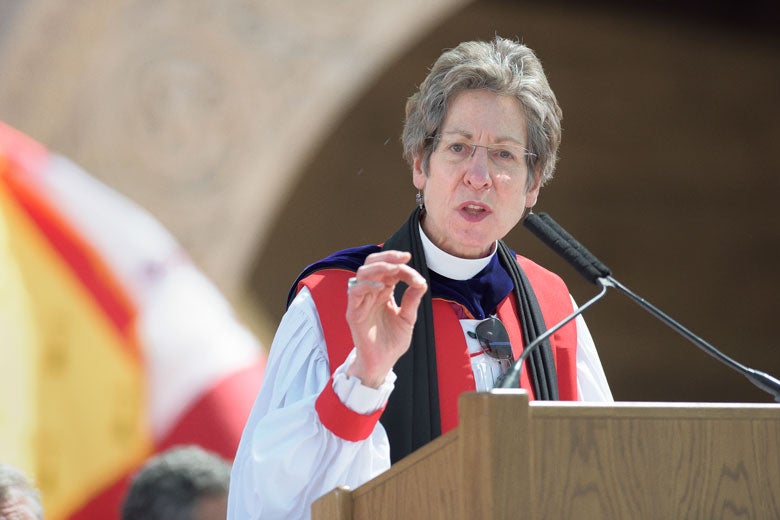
(583, 261)
(552, 234)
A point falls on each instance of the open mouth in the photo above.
(474, 211)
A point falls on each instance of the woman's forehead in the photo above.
(474, 113)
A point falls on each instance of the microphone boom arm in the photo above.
(512, 377)
(762, 380)
(583, 261)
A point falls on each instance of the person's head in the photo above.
(183, 483)
(19, 499)
(490, 94)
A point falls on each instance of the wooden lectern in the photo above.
(509, 458)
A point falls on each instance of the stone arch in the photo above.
(201, 111)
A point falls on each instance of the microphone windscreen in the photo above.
(590, 257)
(563, 247)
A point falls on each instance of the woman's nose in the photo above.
(477, 173)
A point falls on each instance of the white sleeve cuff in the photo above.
(357, 397)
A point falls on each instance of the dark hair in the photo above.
(502, 66)
(169, 485)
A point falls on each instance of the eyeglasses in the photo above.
(493, 339)
(507, 157)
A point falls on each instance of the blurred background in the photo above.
(265, 134)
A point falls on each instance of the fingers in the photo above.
(383, 271)
(410, 301)
(390, 256)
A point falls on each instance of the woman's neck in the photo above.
(452, 267)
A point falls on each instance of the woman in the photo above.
(397, 331)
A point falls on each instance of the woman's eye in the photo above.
(505, 154)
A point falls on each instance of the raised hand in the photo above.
(382, 330)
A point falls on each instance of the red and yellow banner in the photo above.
(113, 345)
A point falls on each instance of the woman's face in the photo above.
(474, 195)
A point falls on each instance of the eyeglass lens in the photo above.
(494, 339)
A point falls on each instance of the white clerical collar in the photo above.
(452, 267)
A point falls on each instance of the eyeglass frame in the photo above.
(529, 155)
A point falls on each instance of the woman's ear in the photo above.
(419, 177)
(532, 194)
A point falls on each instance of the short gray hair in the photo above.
(12, 479)
(502, 66)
